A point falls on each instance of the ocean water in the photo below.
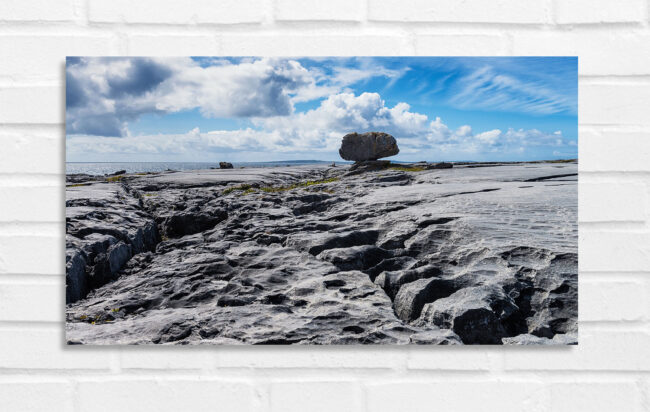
(103, 168)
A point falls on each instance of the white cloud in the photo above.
(104, 94)
(485, 89)
(319, 131)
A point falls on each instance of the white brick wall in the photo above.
(609, 370)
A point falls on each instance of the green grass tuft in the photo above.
(270, 189)
(246, 189)
(114, 179)
(407, 169)
(239, 188)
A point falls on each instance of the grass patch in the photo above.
(298, 185)
(246, 189)
(238, 188)
(562, 161)
(150, 194)
(114, 179)
(408, 169)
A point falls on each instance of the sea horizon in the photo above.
(104, 168)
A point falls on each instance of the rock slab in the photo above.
(477, 254)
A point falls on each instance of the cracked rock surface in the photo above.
(476, 254)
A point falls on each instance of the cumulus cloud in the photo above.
(104, 94)
(320, 130)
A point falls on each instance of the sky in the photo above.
(249, 109)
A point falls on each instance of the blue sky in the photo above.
(262, 109)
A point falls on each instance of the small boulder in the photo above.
(441, 165)
(119, 172)
(225, 165)
(368, 146)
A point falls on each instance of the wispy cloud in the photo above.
(487, 89)
(286, 106)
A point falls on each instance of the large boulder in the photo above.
(477, 314)
(225, 165)
(368, 146)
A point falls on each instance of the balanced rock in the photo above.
(368, 146)
(225, 165)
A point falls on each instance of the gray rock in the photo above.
(441, 165)
(188, 223)
(436, 337)
(477, 314)
(355, 257)
(391, 281)
(413, 296)
(76, 279)
(225, 165)
(368, 146)
(526, 339)
(485, 254)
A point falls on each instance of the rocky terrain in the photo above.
(384, 254)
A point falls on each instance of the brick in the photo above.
(173, 45)
(454, 395)
(612, 300)
(450, 358)
(173, 12)
(460, 45)
(37, 10)
(38, 302)
(33, 104)
(309, 45)
(471, 11)
(32, 254)
(42, 58)
(197, 394)
(611, 201)
(613, 150)
(600, 52)
(305, 357)
(594, 397)
(614, 103)
(339, 10)
(166, 358)
(36, 396)
(32, 150)
(320, 396)
(599, 11)
(46, 349)
(613, 251)
(27, 204)
(597, 350)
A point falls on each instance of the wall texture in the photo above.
(609, 370)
